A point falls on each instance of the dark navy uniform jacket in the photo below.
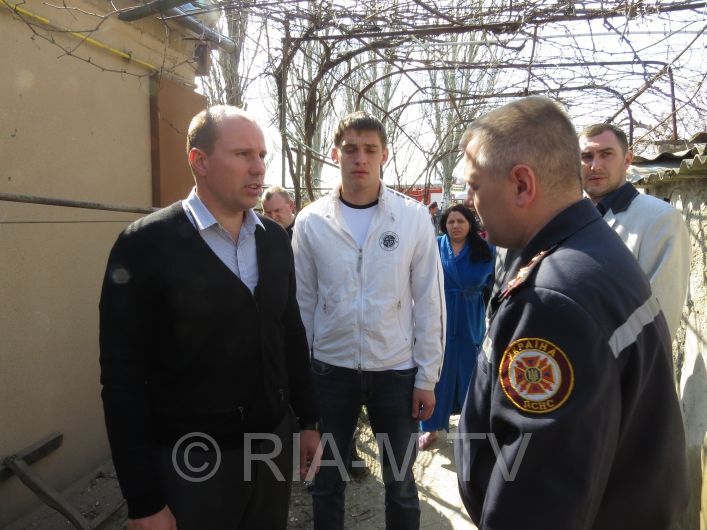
(574, 391)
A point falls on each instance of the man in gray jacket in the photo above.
(652, 229)
(370, 289)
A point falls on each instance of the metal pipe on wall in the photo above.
(51, 201)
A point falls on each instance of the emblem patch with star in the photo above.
(536, 375)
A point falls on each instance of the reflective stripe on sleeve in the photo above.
(627, 333)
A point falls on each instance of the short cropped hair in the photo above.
(534, 131)
(360, 121)
(277, 190)
(203, 128)
(598, 128)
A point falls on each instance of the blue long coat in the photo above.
(464, 282)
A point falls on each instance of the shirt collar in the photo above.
(618, 200)
(251, 221)
(204, 219)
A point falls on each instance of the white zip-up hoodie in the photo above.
(379, 306)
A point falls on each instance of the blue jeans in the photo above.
(340, 392)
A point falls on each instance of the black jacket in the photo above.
(574, 389)
(186, 347)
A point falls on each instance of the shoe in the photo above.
(356, 466)
(426, 440)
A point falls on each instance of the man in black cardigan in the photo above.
(204, 358)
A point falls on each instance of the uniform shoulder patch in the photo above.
(536, 375)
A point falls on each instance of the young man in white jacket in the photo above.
(370, 290)
(652, 229)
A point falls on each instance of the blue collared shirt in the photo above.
(240, 255)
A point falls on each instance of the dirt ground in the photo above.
(98, 496)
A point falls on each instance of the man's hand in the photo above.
(423, 403)
(310, 454)
(162, 520)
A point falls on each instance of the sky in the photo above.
(588, 41)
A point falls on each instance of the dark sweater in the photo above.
(186, 347)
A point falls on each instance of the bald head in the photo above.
(226, 153)
(203, 128)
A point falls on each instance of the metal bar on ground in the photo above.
(46, 493)
(34, 452)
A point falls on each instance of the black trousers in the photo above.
(239, 489)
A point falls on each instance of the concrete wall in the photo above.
(690, 346)
(67, 130)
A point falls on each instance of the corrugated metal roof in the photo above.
(686, 161)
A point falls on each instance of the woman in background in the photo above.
(468, 263)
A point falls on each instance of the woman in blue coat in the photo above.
(468, 263)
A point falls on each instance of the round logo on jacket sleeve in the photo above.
(388, 241)
(535, 375)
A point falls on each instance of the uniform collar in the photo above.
(560, 227)
(618, 200)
